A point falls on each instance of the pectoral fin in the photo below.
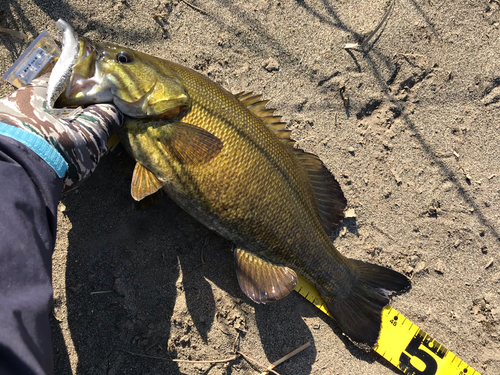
(262, 281)
(144, 182)
(191, 144)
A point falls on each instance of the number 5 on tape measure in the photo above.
(402, 343)
(413, 351)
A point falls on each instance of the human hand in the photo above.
(81, 142)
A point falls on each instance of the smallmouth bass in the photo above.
(229, 162)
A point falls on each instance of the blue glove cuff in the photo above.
(39, 145)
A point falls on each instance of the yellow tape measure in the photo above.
(402, 343)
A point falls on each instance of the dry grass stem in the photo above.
(209, 361)
(236, 342)
(291, 354)
(202, 260)
(183, 360)
(14, 33)
(255, 363)
(283, 359)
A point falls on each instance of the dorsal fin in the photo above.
(249, 100)
(330, 199)
(329, 195)
(258, 108)
(244, 95)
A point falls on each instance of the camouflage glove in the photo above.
(81, 142)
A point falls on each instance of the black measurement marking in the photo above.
(432, 344)
(394, 321)
(414, 350)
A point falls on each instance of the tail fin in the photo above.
(359, 312)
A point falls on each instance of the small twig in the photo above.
(291, 354)
(236, 341)
(14, 33)
(254, 362)
(411, 55)
(195, 8)
(283, 359)
(383, 232)
(182, 360)
(210, 361)
(201, 254)
(201, 251)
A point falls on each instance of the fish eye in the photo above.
(123, 57)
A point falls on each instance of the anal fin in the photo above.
(144, 182)
(261, 280)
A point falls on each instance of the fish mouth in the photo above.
(87, 84)
(96, 77)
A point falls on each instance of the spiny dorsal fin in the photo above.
(330, 199)
(241, 93)
(329, 195)
(249, 100)
(262, 281)
(272, 120)
(244, 95)
(144, 182)
(256, 105)
(258, 108)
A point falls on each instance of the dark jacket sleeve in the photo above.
(29, 194)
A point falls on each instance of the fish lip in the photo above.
(85, 49)
(77, 82)
(61, 74)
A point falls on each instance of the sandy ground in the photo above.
(410, 129)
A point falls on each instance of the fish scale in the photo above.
(241, 127)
